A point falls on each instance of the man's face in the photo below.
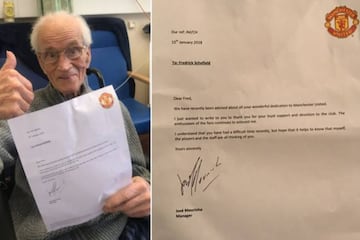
(63, 56)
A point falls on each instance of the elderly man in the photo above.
(61, 42)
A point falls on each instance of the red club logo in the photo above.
(106, 100)
(341, 22)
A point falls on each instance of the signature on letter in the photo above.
(198, 177)
(55, 188)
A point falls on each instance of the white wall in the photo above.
(31, 8)
(140, 52)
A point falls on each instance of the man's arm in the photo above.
(7, 161)
(134, 199)
(16, 91)
(6, 225)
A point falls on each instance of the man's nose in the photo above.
(64, 63)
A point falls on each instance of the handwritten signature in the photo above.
(198, 178)
(55, 188)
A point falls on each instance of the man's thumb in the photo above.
(10, 62)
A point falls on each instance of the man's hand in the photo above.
(16, 92)
(132, 200)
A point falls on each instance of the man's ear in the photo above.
(88, 57)
(41, 63)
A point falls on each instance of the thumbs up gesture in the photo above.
(16, 93)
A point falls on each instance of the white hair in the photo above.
(84, 27)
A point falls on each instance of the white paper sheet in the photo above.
(261, 138)
(74, 155)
